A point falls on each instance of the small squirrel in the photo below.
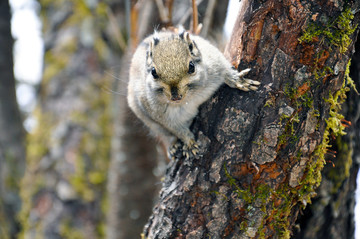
(171, 75)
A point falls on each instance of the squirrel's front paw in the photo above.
(246, 84)
(237, 80)
(191, 149)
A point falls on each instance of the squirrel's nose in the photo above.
(176, 97)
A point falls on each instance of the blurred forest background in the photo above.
(69, 176)
(72, 174)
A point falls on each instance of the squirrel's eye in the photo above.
(191, 67)
(154, 74)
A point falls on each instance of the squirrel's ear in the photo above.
(185, 36)
(194, 51)
(154, 41)
(149, 53)
(151, 47)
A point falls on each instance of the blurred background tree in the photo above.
(12, 136)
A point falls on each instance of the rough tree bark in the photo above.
(331, 214)
(263, 151)
(12, 136)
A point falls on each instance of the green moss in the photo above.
(101, 228)
(342, 167)
(83, 13)
(289, 135)
(245, 195)
(335, 101)
(257, 200)
(321, 72)
(343, 163)
(225, 198)
(263, 192)
(59, 57)
(282, 212)
(348, 80)
(277, 216)
(335, 128)
(300, 98)
(244, 225)
(282, 201)
(304, 101)
(269, 103)
(334, 33)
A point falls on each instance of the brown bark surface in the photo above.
(263, 151)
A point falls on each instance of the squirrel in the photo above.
(171, 75)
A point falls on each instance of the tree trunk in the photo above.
(12, 136)
(331, 214)
(264, 151)
(64, 187)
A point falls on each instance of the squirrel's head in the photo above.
(174, 67)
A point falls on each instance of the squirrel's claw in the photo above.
(244, 72)
(247, 84)
(191, 149)
(173, 149)
(244, 83)
(238, 81)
